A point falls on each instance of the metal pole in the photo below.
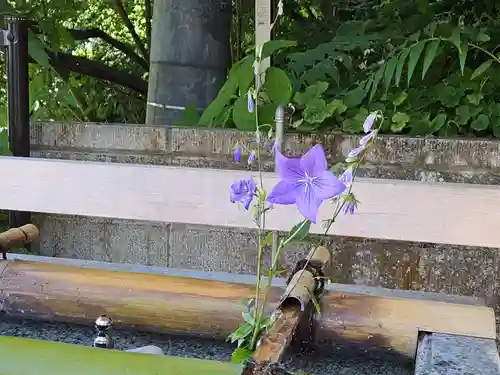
(16, 41)
(279, 119)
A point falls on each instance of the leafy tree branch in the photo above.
(120, 8)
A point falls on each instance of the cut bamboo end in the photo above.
(18, 237)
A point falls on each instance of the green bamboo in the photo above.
(20, 356)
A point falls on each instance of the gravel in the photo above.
(338, 363)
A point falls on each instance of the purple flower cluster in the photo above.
(366, 139)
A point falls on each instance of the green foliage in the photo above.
(430, 66)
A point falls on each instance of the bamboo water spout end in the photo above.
(17, 237)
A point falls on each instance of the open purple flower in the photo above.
(243, 191)
(306, 182)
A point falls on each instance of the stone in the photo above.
(150, 349)
(445, 354)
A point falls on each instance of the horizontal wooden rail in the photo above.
(212, 308)
(459, 214)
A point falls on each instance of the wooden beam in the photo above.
(175, 304)
(460, 214)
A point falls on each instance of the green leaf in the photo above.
(400, 98)
(243, 119)
(273, 46)
(449, 96)
(376, 80)
(299, 231)
(438, 122)
(243, 331)
(463, 115)
(462, 48)
(354, 97)
(481, 69)
(389, 72)
(480, 123)
(226, 93)
(37, 51)
(278, 86)
(400, 66)
(310, 93)
(430, 54)
(355, 123)
(190, 116)
(241, 355)
(399, 121)
(475, 98)
(415, 53)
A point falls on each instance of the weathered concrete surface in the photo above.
(442, 354)
(391, 264)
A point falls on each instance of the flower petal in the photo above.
(308, 204)
(370, 120)
(327, 186)
(314, 161)
(285, 192)
(288, 168)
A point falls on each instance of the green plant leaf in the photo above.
(241, 355)
(429, 56)
(243, 119)
(400, 98)
(463, 114)
(37, 51)
(480, 123)
(399, 121)
(278, 86)
(354, 97)
(190, 116)
(300, 231)
(449, 96)
(475, 98)
(401, 64)
(389, 72)
(438, 122)
(462, 48)
(311, 92)
(481, 69)
(274, 46)
(376, 80)
(415, 53)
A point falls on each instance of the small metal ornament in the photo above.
(103, 325)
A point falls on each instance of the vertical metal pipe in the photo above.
(279, 119)
(18, 97)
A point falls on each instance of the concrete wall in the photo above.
(391, 264)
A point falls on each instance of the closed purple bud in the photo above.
(250, 103)
(366, 138)
(237, 153)
(355, 152)
(370, 120)
(251, 158)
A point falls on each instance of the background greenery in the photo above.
(430, 66)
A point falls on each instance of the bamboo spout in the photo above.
(17, 237)
(305, 282)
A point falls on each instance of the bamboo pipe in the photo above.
(210, 308)
(55, 358)
(293, 308)
(18, 237)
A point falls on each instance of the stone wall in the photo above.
(391, 264)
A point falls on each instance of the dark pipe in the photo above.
(18, 98)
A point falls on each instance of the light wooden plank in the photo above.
(459, 214)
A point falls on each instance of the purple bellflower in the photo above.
(237, 153)
(370, 120)
(251, 158)
(243, 191)
(306, 182)
(250, 103)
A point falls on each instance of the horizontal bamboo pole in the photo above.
(212, 308)
(55, 358)
(18, 237)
